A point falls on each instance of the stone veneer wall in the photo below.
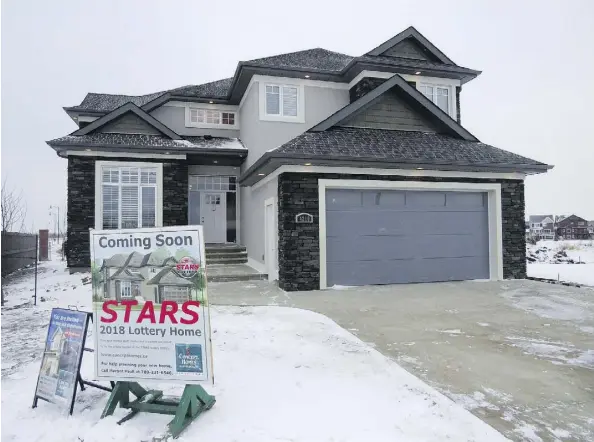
(299, 251)
(81, 203)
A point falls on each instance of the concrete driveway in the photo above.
(518, 354)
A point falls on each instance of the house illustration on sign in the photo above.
(147, 277)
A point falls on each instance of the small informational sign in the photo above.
(62, 355)
(304, 218)
(150, 306)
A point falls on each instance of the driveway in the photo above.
(518, 354)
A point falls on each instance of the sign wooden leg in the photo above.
(193, 402)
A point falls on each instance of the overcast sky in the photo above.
(535, 96)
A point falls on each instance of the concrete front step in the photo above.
(224, 249)
(227, 260)
(233, 272)
(211, 256)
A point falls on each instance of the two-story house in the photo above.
(591, 228)
(328, 168)
(573, 227)
(542, 226)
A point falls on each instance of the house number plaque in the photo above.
(304, 218)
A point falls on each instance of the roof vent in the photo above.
(208, 137)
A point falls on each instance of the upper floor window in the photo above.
(210, 117)
(281, 100)
(439, 95)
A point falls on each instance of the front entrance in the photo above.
(212, 202)
(213, 216)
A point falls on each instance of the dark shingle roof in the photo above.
(214, 89)
(402, 147)
(138, 140)
(315, 59)
(109, 102)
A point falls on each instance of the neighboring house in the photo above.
(591, 228)
(573, 227)
(329, 168)
(126, 276)
(541, 226)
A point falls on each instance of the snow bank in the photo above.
(280, 373)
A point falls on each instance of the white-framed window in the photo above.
(199, 117)
(128, 195)
(440, 95)
(125, 289)
(282, 102)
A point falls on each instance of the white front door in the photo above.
(213, 216)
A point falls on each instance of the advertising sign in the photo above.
(150, 306)
(61, 357)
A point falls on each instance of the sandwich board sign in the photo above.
(151, 318)
(62, 355)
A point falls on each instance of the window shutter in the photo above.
(289, 101)
(129, 207)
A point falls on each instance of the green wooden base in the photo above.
(193, 401)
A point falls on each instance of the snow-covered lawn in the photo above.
(281, 374)
(578, 251)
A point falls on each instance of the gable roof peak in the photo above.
(397, 82)
(412, 33)
(119, 112)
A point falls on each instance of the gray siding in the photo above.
(390, 112)
(175, 119)
(252, 218)
(260, 136)
(129, 124)
(407, 49)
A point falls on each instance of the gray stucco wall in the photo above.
(252, 218)
(298, 244)
(260, 136)
(175, 119)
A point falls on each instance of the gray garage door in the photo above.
(389, 236)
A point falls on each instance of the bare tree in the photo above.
(13, 210)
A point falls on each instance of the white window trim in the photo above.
(99, 194)
(189, 123)
(300, 118)
(494, 213)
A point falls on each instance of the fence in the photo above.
(18, 250)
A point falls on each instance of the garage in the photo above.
(390, 236)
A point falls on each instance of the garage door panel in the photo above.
(367, 222)
(355, 248)
(341, 199)
(384, 236)
(404, 271)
